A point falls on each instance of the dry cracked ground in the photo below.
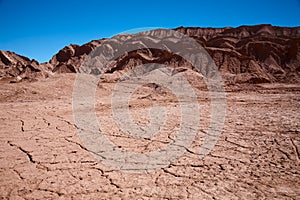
(42, 156)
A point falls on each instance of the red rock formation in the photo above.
(16, 67)
(253, 54)
(69, 59)
(246, 54)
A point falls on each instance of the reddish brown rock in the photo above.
(15, 67)
(246, 54)
(69, 59)
(253, 54)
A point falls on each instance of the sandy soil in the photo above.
(42, 156)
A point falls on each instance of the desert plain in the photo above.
(42, 157)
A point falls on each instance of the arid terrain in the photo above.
(257, 155)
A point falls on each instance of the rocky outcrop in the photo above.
(246, 54)
(253, 54)
(15, 67)
(69, 59)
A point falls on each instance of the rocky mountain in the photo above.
(246, 54)
(254, 54)
(69, 59)
(17, 67)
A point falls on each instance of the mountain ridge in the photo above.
(245, 54)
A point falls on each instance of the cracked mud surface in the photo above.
(42, 157)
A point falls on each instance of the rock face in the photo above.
(17, 67)
(253, 54)
(246, 54)
(69, 59)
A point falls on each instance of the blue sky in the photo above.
(39, 28)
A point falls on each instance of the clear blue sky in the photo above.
(39, 28)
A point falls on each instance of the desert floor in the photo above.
(42, 157)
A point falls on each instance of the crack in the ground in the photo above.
(18, 173)
(51, 191)
(295, 148)
(58, 129)
(28, 155)
(84, 148)
(236, 144)
(22, 125)
(283, 152)
(114, 184)
(46, 122)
